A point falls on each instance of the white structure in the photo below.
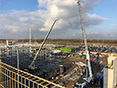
(30, 40)
(56, 51)
(110, 73)
(9, 44)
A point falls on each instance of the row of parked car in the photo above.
(98, 48)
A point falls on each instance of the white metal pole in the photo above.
(17, 59)
(30, 40)
(18, 67)
(7, 48)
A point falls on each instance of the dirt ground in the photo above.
(96, 68)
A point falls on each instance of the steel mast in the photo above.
(32, 65)
(85, 41)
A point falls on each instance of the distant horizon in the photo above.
(63, 39)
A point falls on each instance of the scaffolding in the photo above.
(9, 44)
(11, 77)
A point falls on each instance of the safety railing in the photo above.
(11, 77)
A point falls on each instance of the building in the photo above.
(110, 73)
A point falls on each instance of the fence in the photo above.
(11, 77)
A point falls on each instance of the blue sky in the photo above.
(27, 5)
(100, 18)
(107, 9)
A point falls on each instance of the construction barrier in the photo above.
(11, 77)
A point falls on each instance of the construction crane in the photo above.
(32, 65)
(87, 79)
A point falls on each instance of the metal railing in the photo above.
(11, 77)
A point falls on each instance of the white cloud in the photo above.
(13, 28)
(75, 34)
(113, 24)
(93, 33)
(99, 35)
(66, 11)
(18, 21)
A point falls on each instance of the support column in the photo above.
(30, 41)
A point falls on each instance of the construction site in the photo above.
(50, 65)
